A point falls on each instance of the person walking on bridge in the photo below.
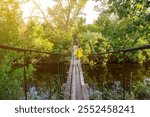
(79, 53)
(74, 52)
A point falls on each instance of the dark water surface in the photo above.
(48, 81)
(116, 81)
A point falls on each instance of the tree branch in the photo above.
(44, 16)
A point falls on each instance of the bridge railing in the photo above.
(124, 51)
(128, 49)
(25, 51)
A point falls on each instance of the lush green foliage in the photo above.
(93, 42)
(10, 19)
(126, 25)
(120, 25)
(12, 78)
(53, 35)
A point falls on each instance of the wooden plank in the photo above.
(78, 88)
(84, 86)
(68, 84)
(73, 89)
(85, 92)
(81, 73)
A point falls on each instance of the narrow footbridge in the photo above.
(75, 88)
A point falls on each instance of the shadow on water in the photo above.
(118, 81)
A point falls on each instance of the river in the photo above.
(116, 81)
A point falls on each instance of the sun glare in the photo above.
(29, 8)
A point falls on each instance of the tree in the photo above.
(94, 43)
(65, 13)
(61, 22)
(130, 29)
(34, 36)
(10, 19)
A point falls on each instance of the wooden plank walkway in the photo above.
(75, 88)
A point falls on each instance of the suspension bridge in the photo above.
(75, 88)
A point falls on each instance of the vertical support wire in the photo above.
(124, 88)
(25, 77)
(124, 57)
(49, 66)
(124, 85)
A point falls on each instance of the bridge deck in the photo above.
(75, 88)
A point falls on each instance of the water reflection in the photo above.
(48, 82)
(118, 81)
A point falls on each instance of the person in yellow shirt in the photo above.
(79, 52)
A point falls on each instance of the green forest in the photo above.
(121, 24)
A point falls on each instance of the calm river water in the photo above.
(116, 81)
